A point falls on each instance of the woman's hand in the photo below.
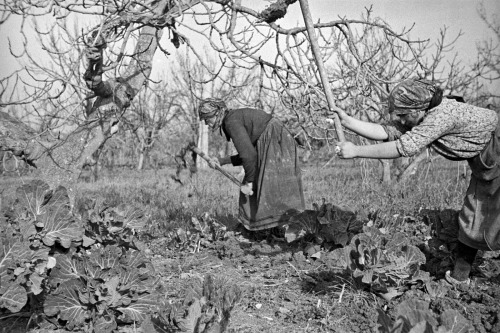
(213, 162)
(340, 113)
(346, 149)
(247, 189)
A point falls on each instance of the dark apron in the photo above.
(278, 192)
(479, 218)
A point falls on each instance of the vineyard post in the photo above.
(306, 13)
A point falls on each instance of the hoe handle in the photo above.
(207, 158)
(306, 13)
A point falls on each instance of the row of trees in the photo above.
(98, 83)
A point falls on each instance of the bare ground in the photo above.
(285, 289)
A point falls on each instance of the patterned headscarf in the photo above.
(213, 107)
(414, 95)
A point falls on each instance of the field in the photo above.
(299, 286)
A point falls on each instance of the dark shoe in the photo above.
(454, 282)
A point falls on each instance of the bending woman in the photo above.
(457, 131)
(271, 191)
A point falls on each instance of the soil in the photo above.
(288, 287)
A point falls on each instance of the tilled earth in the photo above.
(293, 287)
(288, 288)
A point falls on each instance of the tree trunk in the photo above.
(90, 170)
(140, 162)
(386, 171)
(94, 168)
(411, 169)
(399, 165)
(202, 145)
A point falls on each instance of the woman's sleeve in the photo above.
(247, 154)
(432, 128)
(394, 130)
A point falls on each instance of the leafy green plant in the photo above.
(206, 307)
(95, 291)
(86, 265)
(38, 221)
(200, 232)
(110, 225)
(383, 262)
(414, 316)
(327, 223)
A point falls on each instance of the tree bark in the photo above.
(386, 171)
(202, 145)
(411, 169)
(140, 162)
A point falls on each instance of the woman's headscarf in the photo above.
(414, 95)
(213, 107)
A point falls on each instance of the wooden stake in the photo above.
(306, 13)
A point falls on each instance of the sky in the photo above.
(429, 16)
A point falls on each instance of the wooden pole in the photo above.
(224, 172)
(306, 13)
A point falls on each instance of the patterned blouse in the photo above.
(455, 130)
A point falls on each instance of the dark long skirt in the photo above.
(278, 192)
(479, 219)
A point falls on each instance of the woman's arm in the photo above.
(366, 129)
(247, 153)
(380, 150)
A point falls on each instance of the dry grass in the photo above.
(354, 184)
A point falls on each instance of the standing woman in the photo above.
(271, 191)
(457, 131)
